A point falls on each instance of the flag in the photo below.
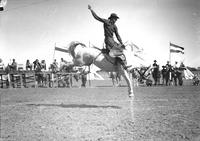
(176, 49)
(136, 48)
(138, 56)
(61, 49)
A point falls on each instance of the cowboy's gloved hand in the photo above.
(89, 7)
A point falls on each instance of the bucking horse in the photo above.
(83, 55)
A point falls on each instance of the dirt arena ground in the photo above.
(100, 113)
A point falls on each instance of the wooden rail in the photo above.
(22, 78)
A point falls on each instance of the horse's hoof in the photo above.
(131, 95)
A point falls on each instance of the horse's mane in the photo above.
(73, 45)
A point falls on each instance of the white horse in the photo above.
(83, 55)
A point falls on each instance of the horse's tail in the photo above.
(73, 45)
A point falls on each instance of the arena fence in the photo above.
(21, 79)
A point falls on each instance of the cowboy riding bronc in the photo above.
(109, 30)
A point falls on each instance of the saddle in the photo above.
(114, 55)
(105, 51)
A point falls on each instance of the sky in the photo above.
(29, 29)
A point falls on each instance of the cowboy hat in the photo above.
(113, 15)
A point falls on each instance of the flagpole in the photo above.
(169, 53)
(169, 60)
(89, 43)
(89, 71)
(54, 51)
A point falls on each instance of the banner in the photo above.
(176, 49)
(61, 49)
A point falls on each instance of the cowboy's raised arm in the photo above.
(95, 15)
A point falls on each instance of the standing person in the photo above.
(110, 29)
(163, 72)
(65, 79)
(43, 75)
(175, 76)
(155, 72)
(169, 73)
(13, 67)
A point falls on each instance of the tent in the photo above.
(93, 75)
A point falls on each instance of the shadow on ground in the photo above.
(75, 106)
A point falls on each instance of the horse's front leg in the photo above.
(126, 76)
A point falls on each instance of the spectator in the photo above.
(55, 64)
(169, 73)
(39, 76)
(13, 66)
(163, 72)
(182, 66)
(43, 65)
(28, 65)
(196, 80)
(167, 65)
(84, 70)
(175, 65)
(66, 80)
(2, 67)
(155, 72)
(175, 74)
(37, 65)
(62, 64)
